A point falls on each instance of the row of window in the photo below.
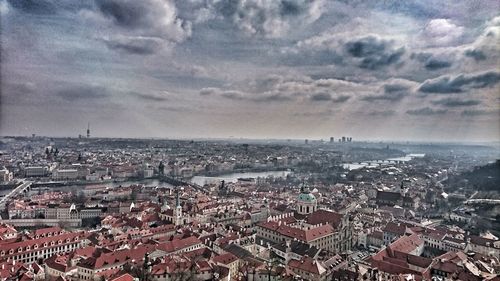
(36, 246)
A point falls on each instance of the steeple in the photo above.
(177, 200)
(302, 186)
(88, 130)
(178, 209)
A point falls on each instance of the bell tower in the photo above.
(177, 209)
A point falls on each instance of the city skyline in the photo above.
(251, 69)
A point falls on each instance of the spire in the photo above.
(88, 130)
(177, 200)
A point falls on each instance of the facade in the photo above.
(35, 171)
(484, 246)
(322, 229)
(5, 175)
(65, 174)
(34, 250)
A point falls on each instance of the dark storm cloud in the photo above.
(391, 97)
(364, 47)
(426, 111)
(82, 92)
(134, 45)
(321, 97)
(312, 57)
(478, 112)
(130, 14)
(447, 84)
(477, 55)
(430, 62)
(266, 18)
(290, 7)
(208, 91)
(271, 97)
(246, 96)
(232, 95)
(155, 97)
(395, 88)
(435, 64)
(147, 18)
(382, 113)
(374, 53)
(36, 7)
(454, 102)
(392, 92)
(421, 56)
(341, 99)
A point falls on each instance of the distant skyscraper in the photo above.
(88, 130)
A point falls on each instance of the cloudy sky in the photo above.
(402, 70)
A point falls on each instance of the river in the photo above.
(233, 177)
(374, 163)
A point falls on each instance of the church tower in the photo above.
(306, 202)
(177, 209)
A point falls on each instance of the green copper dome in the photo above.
(306, 197)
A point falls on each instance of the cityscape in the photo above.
(249, 140)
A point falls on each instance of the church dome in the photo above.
(306, 197)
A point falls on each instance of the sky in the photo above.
(372, 70)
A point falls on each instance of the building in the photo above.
(39, 249)
(306, 202)
(308, 268)
(277, 231)
(65, 174)
(35, 171)
(484, 246)
(5, 175)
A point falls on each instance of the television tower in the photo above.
(88, 130)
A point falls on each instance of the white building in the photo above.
(35, 171)
(65, 174)
(5, 175)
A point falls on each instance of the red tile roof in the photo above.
(299, 234)
(72, 236)
(325, 216)
(307, 264)
(226, 258)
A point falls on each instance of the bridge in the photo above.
(16, 191)
(179, 182)
(483, 201)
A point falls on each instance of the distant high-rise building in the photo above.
(88, 130)
(343, 139)
(331, 139)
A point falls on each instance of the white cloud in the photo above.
(440, 32)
